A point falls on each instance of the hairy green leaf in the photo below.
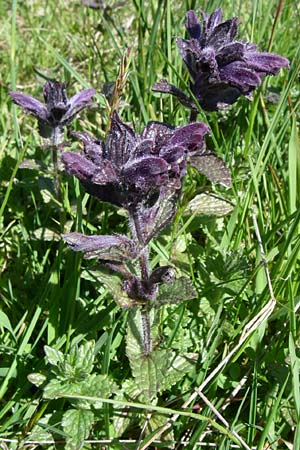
(53, 356)
(208, 205)
(178, 367)
(81, 359)
(115, 286)
(36, 378)
(77, 424)
(180, 290)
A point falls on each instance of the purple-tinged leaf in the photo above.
(234, 51)
(191, 136)
(148, 169)
(154, 219)
(158, 132)
(78, 102)
(213, 20)
(121, 141)
(78, 165)
(166, 88)
(212, 167)
(173, 153)
(93, 149)
(266, 62)
(193, 25)
(105, 173)
(116, 248)
(241, 77)
(30, 105)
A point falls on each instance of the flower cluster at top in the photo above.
(221, 68)
(58, 111)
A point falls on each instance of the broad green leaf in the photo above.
(148, 372)
(81, 358)
(36, 378)
(97, 386)
(77, 424)
(45, 234)
(32, 164)
(178, 367)
(39, 432)
(208, 205)
(136, 331)
(180, 290)
(57, 387)
(146, 368)
(115, 286)
(53, 356)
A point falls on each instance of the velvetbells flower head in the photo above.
(222, 68)
(57, 111)
(133, 170)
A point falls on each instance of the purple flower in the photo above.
(133, 170)
(57, 111)
(221, 68)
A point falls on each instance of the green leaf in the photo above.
(97, 386)
(57, 387)
(36, 378)
(146, 368)
(178, 367)
(40, 430)
(53, 356)
(81, 359)
(208, 205)
(180, 290)
(115, 286)
(77, 424)
(45, 234)
(148, 372)
(121, 419)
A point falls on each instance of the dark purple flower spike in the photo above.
(57, 111)
(221, 68)
(130, 170)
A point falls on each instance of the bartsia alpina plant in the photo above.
(58, 111)
(221, 68)
(142, 173)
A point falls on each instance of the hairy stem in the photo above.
(54, 143)
(147, 340)
(145, 275)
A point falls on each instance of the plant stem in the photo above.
(55, 163)
(145, 275)
(193, 115)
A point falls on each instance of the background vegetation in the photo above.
(50, 297)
